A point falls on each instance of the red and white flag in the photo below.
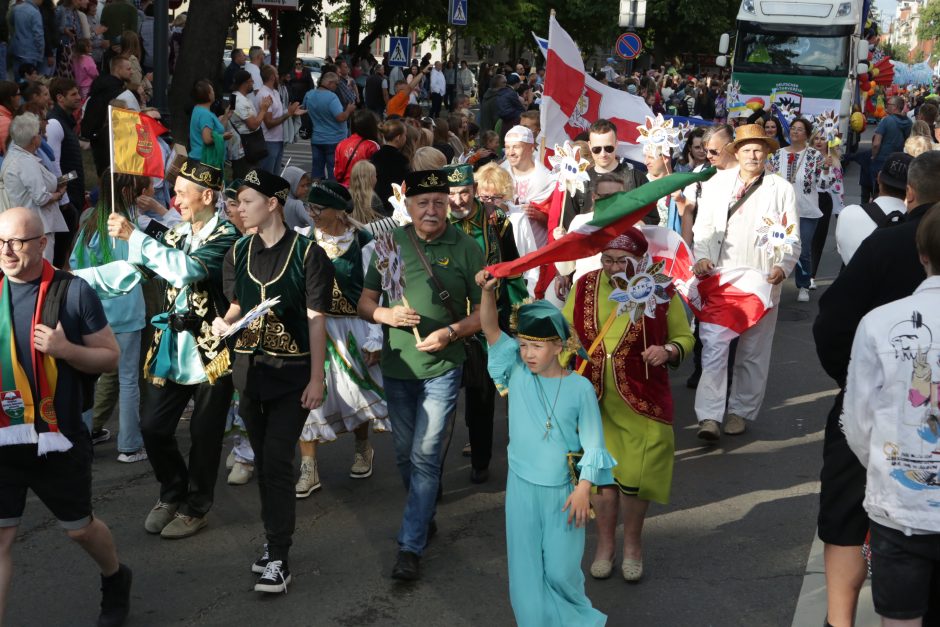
(668, 246)
(733, 298)
(572, 100)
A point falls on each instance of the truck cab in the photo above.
(801, 55)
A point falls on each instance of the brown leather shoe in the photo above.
(709, 431)
(735, 424)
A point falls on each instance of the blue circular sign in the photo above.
(629, 46)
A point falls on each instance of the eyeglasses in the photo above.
(491, 199)
(610, 261)
(608, 149)
(714, 153)
(16, 244)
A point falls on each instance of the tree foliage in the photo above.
(687, 26)
(928, 29)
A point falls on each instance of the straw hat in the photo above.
(751, 132)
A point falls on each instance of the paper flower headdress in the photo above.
(569, 168)
(658, 135)
(777, 238)
(828, 124)
(641, 288)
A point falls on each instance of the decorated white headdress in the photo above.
(828, 124)
(658, 135)
(569, 168)
(641, 288)
(397, 200)
(777, 238)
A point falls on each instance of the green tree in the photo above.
(291, 26)
(928, 29)
(687, 26)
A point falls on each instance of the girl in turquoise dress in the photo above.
(552, 412)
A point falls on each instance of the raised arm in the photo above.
(489, 316)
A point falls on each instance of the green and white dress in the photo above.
(354, 392)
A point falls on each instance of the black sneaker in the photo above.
(406, 566)
(275, 578)
(262, 563)
(100, 435)
(115, 597)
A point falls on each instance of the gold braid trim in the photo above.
(218, 367)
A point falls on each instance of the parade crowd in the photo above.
(273, 308)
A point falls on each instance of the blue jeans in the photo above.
(422, 413)
(129, 439)
(272, 163)
(804, 268)
(324, 160)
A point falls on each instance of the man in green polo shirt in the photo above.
(422, 378)
(494, 235)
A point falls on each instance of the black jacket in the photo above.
(71, 156)
(390, 167)
(104, 89)
(885, 268)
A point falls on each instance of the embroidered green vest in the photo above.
(282, 332)
(348, 277)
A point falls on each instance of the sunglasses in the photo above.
(714, 153)
(608, 149)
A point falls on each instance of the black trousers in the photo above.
(436, 101)
(822, 229)
(274, 427)
(191, 487)
(481, 405)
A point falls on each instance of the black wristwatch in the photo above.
(451, 334)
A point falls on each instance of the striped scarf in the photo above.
(18, 408)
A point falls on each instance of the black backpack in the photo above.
(879, 217)
(51, 308)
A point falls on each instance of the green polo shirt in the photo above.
(455, 259)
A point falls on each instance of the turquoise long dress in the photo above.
(546, 585)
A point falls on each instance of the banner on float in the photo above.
(795, 95)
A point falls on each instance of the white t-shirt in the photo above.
(532, 186)
(853, 225)
(255, 72)
(244, 109)
(276, 110)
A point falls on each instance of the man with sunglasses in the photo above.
(603, 141)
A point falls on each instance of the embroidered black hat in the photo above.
(894, 172)
(271, 185)
(202, 174)
(425, 182)
(330, 195)
(231, 190)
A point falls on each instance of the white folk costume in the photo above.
(355, 394)
(735, 243)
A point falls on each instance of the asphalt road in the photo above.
(730, 549)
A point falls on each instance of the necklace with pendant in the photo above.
(549, 412)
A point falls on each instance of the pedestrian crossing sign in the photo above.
(399, 51)
(458, 12)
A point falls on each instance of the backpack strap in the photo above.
(55, 298)
(878, 216)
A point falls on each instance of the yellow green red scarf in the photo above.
(18, 409)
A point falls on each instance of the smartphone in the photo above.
(65, 178)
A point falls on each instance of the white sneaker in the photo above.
(309, 481)
(803, 296)
(812, 284)
(130, 458)
(240, 474)
(362, 461)
(230, 460)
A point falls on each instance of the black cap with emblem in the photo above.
(270, 185)
(426, 182)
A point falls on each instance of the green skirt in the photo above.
(644, 450)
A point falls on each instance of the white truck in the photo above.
(803, 55)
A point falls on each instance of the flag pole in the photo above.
(111, 150)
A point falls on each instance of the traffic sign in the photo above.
(457, 13)
(399, 51)
(629, 46)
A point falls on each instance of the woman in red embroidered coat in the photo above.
(631, 379)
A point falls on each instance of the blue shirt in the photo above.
(576, 421)
(28, 40)
(323, 106)
(201, 119)
(894, 130)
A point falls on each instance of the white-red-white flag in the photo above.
(572, 100)
(668, 246)
(733, 298)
